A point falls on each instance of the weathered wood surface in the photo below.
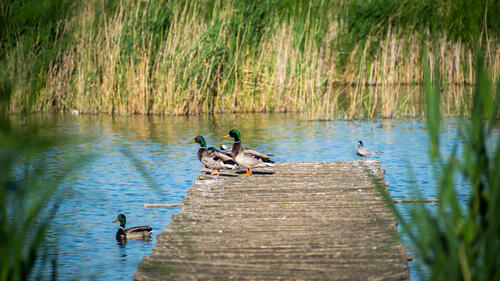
(294, 221)
(162, 205)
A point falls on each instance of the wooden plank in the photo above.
(309, 221)
(162, 205)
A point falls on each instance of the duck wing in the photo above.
(143, 231)
(142, 228)
(254, 153)
(362, 151)
(214, 153)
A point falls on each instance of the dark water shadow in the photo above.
(228, 175)
(257, 173)
(206, 175)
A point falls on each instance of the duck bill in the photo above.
(192, 141)
(116, 220)
(227, 136)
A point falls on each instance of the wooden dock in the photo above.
(294, 221)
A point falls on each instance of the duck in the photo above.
(136, 232)
(225, 149)
(247, 158)
(212, 158)
(365, 152)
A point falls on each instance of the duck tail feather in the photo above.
(268, 161)
(230, 164)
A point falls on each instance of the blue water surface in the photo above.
(145, 159)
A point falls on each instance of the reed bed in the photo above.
(183, 57)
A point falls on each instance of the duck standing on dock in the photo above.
(225, 149)
(212, 158)
(247, 158)
(136, 232)
(365, 152)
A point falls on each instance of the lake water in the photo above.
(127, 148)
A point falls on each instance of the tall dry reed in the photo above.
(184, 57)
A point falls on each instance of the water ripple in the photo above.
(83, 231)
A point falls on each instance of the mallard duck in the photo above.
(225, 149)
(137, 232)
(213, 158)
(247, 158)
(365, 152)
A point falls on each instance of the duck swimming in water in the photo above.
(365, 152)
(136, 232)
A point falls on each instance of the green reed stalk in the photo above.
(454, 241)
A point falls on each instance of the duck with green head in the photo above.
(212, 158)
(247, 158)
(136, 232)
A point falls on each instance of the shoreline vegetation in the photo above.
(190, 57)
(323, 59)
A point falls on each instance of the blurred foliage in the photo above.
(34, 168)
(452, 240)
(29, 32)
